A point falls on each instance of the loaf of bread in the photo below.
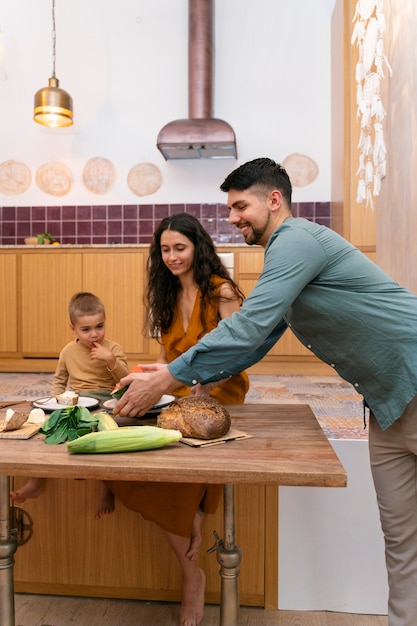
(68, 398)
(196, 416)
(13, 420)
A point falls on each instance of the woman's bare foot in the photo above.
(31, 489)
(192, 606)
(195, 540)
(105, 503)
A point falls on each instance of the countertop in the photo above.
(69, 246)
(286, 447)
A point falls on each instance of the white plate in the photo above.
(164, 401)
(50, 404)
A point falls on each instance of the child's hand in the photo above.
(100, 353)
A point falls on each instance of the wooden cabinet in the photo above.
(118, 279)
(49, 279)
(39, 282)
(8, 298)
(124, 556)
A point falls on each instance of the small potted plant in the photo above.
(45, 239)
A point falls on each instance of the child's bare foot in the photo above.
(192, 606)
(31, 489)
(195, 541)
(105, 504)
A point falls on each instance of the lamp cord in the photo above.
(53, 39)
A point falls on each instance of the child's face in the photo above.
(89, 329)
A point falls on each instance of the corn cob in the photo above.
(106, 422)
(126, 439)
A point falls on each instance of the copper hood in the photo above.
(200, 136)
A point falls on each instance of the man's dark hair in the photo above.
(264, 174)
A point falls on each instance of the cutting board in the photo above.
(233, 434)
(24, 432)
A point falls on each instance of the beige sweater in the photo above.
(77, 370)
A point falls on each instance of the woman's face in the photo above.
(177, 252)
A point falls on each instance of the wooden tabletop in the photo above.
(286, 447)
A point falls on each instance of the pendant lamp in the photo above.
(53, 105)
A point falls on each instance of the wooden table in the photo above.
(286, 447)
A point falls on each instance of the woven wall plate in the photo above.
(301, 169)
(99, 175)
(15, 178)
(144, 179)
(54, 178)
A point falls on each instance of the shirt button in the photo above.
(194, 382)
(309, 346)
(356, 385)
(332, 365)
(222, 372)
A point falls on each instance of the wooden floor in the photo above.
(38, 610)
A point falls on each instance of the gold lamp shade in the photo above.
(53, 106)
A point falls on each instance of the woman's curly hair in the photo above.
(162, 289)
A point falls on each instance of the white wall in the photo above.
(124, 63)
(331, 547)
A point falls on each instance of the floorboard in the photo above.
(42, 610)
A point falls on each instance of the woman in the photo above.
(189, 291)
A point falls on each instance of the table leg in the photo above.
(8, 546)
(229, 556)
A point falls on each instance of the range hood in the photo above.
(200, 136)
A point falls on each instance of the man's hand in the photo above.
(144, 391)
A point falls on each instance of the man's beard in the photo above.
(256, 234)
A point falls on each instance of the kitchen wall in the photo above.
(126, 224)
(125, 65)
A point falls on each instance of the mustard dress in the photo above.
(172, 506)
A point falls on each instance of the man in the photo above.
(351, 315)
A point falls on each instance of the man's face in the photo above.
(251, 214)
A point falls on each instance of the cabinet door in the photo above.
(49, 279)
(8, 297)
(70, 553)
(118, 279)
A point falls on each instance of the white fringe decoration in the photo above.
(369, 27)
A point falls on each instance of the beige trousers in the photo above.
(393, 455)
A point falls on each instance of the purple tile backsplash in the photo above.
(126, 224)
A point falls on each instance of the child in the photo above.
(90, 365)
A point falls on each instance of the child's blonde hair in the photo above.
(84, 303)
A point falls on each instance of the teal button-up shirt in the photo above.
(338, 303)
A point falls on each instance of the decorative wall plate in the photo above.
(301, 169)
(54, 178)
(144, 179)
(99, 175)
(15, 177)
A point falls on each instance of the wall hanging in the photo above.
(368, 31)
